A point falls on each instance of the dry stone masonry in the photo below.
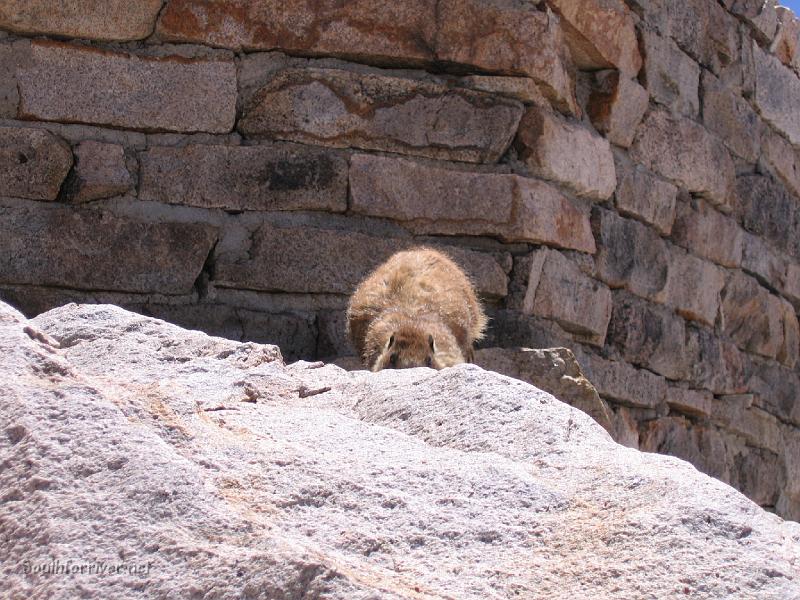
(620, 178)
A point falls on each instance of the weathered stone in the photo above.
(558, 290)
(751, 316)
(523, 89)
(617, 106)
(649, 336)
(708, 233)
(671, 77)
(179, 435)
(432, 199)
(376, 112)
(307, 259)
(620, 382)
(693, 287)
(600, 34)
(626, 428)
(510, 38)
(77, 84)
(762, 262)
(776, 94)
(684, 152)
(690, 402)
(730, 116)
(769, 211)
(92, 249)
(33, 163)
(13, 56)
(643, 196)
(553, 370)
(792, 283)
(105, 20)
(631, 255)
(263, 177)
(332, 338)
(738, 414)
(784, 160)
(786, 45)
(566, 153)
(788, 504)
(789, 350)
(717, 364)
(760, 14)
(100, 172)
(776, 388)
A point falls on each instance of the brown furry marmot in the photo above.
(417, 309)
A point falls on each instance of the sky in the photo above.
(793, 4)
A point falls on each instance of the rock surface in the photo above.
(33, 163)
(205, 457)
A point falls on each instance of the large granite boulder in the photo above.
(145, 460)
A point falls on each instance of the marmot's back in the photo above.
(415, 285)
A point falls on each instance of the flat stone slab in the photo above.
(33, 163)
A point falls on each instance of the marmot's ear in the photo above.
(431, 344)
(391, 341)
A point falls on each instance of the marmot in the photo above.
(416, 309)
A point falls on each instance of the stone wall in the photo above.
(619, 178)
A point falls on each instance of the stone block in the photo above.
(100, 172)
(751, 316)
(506, 38)
(775, 387)
(716, 364)
(784, 160)
(342, 108)
(776, 94)
(566, 153)
(524, 89)
(685, 153)
(767, 210)
(649, 336)
(622, 383)
(761, 261)
(789, 350)
(792, 283)
(263, 177)
(103, 20)
(708, 233)
(13, 56)
(761, 15)
(644, 196)
(631, 255)
(693, 287)
(558, 290)
(786, 44)
(670, 76)
(314, 260)
(95, 250)
(80, 84)
(626, 428)
(33, 163)
(730, 117)
(617, 106)
(697, 403)
(600, 34)
(737, 414)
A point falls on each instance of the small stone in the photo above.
(600, 34)
(617, 106)
(708, 233)
(311, 260)
(751, 316)
(631, 255)
(730, 116)
(644, 196)
(80, 84)
(567, 153)
(263, 177)
(690, 402)
(693, 287)
(558, 290)
(103, 20)
(685, 153)
(648, 335)
(620, 382)
(100, 172)
(777, 90)
(671, 77)
(375, 112)
(95, 250)
(33, 163)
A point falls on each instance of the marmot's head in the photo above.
(425, 343)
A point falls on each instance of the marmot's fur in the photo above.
(417, 309)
